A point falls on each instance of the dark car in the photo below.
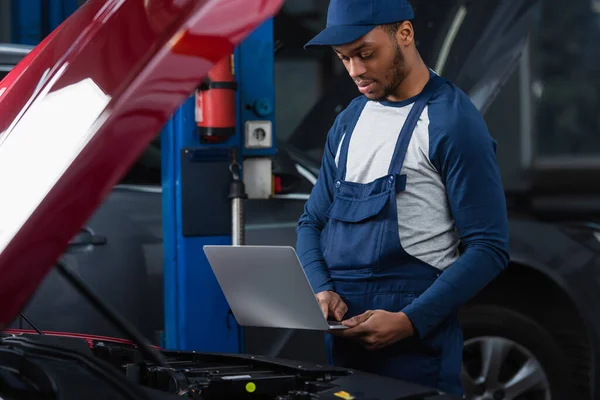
(529, 66)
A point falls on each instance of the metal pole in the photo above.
(237, 194)
(237, 225)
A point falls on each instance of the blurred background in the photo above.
(532, 68)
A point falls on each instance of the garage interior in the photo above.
(532, 69)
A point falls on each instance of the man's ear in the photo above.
(405, 34)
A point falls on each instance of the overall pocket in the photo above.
(354, 230)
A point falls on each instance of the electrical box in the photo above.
(258, 177)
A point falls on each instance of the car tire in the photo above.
(518, 344)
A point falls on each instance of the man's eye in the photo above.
(366, 56)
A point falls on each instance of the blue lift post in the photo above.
(33, 20)
(196, 208)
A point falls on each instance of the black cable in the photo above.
(38, 330)
(113, 316)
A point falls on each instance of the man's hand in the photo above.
(377, 329)
(332, 305)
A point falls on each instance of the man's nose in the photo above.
(356, 68)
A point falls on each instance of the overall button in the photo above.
(338, 184)
(391, 179)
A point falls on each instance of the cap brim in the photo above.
(339, 35)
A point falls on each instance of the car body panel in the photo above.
(569, 256)
(87, 120)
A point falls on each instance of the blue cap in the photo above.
(349, 20)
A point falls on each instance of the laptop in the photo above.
(266, 286)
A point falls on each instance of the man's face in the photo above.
(375, 62)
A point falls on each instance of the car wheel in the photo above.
(507, 355)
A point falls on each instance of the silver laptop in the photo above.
(266, 286)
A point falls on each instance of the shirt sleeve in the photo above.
(313, 220)
(464, 153)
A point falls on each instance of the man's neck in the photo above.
(416, 78)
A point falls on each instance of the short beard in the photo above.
(397, 74)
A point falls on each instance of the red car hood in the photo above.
(81, 107)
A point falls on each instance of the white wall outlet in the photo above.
(259, 134)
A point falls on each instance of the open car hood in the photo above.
(81, 107)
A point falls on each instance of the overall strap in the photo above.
(348, 124)
(432, 86)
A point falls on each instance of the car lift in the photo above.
(216, 151)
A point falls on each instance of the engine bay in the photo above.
(34, 366)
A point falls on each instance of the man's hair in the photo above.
(391, 29)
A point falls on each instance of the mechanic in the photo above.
(407, 220)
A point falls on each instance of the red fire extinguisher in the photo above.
(215, 103)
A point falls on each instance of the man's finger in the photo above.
(333, 307)
(338, 314)
(340, 310)
(359, 319)
(324, 307)
(355, 332)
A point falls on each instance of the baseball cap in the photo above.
(349, 20)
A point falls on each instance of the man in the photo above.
(407, 220)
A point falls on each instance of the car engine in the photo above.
(60, 366)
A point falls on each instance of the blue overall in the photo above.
(371, 270)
